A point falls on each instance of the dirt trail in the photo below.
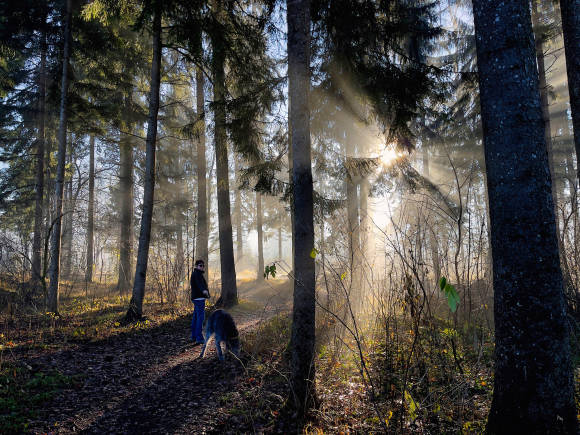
(152, 381)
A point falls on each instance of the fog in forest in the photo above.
(173, 142)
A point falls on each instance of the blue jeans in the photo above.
(197, 320)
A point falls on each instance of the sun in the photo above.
(389, 156)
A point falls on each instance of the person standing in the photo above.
(199, 293)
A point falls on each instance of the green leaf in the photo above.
(452, 297)
(412, 406)
(442, 283)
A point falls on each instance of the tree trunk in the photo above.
(570, 10)
(229, 291)
(201, 243)
(303, 315)
(259, 224)
(533, 385)
(91, 212)
(126, 236)
(53, 294)
(238, 216)
(38, 214)
(135, 310)
(544, 98)
(67, 225)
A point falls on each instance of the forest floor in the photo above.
(86, 372)
(148, 378)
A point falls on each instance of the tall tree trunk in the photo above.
(201, 243)
(91, 212)
(67, 225)
(280, 241)
(126, 236)
(303, 315)
(53, 293)
(259, 224)
(238, 216)
(533, 384)
(38, 214)
(570, 10)
(229, 291)
(544, 98)
(135, 310)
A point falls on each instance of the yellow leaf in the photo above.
(343, 276)
(313, 253)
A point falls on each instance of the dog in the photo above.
(221, 325)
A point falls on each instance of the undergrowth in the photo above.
(22, 391)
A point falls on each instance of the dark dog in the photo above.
(221, 325)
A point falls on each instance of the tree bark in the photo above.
(259, 224)
(126, 236)
(135, 310)
(91, 211)
(238, 216)
(67, 225)
(40, 149)
(201, 243)
(570, 10)
(229, 291)
(303, 315)
(533, 385)
(53, 290)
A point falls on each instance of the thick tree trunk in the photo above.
(303, 315)
(229, 291)
(126, 236)
(259, 224)
(201, 243)
(570, 10)
(135, 310)
(91, 212)
(533, 385)
(53, 293)
(38, 214)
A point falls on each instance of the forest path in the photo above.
(152, 380)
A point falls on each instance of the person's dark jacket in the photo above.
(198, 285)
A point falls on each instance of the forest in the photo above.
(383, 194)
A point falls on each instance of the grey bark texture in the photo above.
(229, 291)
(91, 211)
(570, 10)
(126, 191)
(135, 310)
(54, 269)
(201, 243)
(533, 384)
(38, 213)
(303, 314)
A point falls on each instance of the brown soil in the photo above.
(152, 380)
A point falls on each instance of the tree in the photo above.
(303, 314)
(135, 310)
(201, 242)
(53, 296)
(40, 149)
(229, 291)
(533, 385)
(91, 211)
(259, 229)
(570, 10)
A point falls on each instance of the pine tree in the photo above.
(533, 384)
(303, 313)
